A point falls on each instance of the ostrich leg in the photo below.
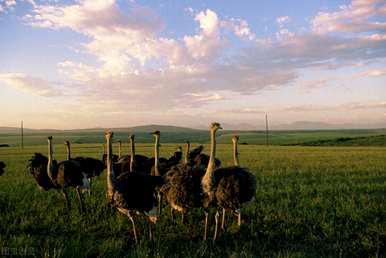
(206, 225)
(150, 231)
(223, 219)
(80, 198)
(216, 225)
(183, 217)
(132, 222)
(65, 195)
(238, 213)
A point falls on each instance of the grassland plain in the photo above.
(364, 137)
(310, 202)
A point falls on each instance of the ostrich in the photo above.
(91, 167)
(2, 166)
(202, 160)
(197, 158)
(236, 163)
(50, 174)
(234, 187)
(131, 192)
(137, 162)
(189, 186)
(175, 158)
(132, 162)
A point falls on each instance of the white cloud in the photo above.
(356, 17)
(350, 106)
(136, 64)
(240, 28)
(29, 84)
(282, 20)
(209, 22)
(207, 43)
(6, 5)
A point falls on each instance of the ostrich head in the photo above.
(131, 137)
(109, 134)
(67, 143)
(156, 133)
(235, 138)
(49, 138)
(215, 126)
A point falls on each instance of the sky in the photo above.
(105, 63)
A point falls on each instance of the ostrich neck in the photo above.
(50, 161)
(208, 179)
(110, 172)
(235, 154)
(119, 149)
(187, 150)
(132, 155)
(156, 156)
(68, 151)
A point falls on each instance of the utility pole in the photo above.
(22, 135)
(266, 129)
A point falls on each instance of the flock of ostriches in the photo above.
(137, 184)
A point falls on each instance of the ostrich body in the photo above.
(49, 174)
(202, 161)
(198, 159)
(175, 158)
(235, 186)
(90, 167)
(2, 166)
(132, 162)
(131, 192)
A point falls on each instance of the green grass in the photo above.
(373, 140)
(372, 137)
(310, 202)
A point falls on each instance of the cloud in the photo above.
(282, 19)
(252, 111)
(33, 85)
(239, 27)
(205, 97)
(341, 107)
(372, 73)
(207, 42)
(356, 17)
(5, 5)
(135, 63)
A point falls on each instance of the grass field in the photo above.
(310, 202)
(363, 137)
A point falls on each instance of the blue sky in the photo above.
(82, 64)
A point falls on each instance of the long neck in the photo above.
(207, 181)
(156, 156)
(235, 154)
(110, 171)
(50, 165)
(132, 156)
(119, 149)
(68, 151)
(187, 150)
